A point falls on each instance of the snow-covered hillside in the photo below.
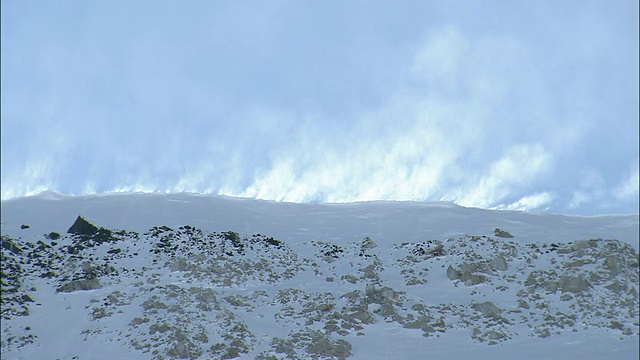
(144, 276)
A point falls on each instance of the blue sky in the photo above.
(528, 105)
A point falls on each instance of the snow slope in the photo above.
(194, 276)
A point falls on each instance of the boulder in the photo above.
(452, 273)
(363, 315)
(523, 304)
(6, 243)
(473, 279)
(84, 284)
(499, 263)
(88, 270)
(502, 233)
(573, 284)
(488, 308)
(82, 227)
(382, 295)
(367, 243)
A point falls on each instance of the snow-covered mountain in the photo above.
(141, 276)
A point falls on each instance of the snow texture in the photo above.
(148, 276)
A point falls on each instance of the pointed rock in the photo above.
(488, 308)
(452, 273)
(367, 243)
(82, 227)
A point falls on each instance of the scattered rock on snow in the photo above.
(83, 284)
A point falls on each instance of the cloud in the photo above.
(628, 189)
(539, 201)
(594, 190)
(424, 142)
(511, 110)
(31, 181)
(519, 167)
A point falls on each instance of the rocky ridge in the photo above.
(187, 293)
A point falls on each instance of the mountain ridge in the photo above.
(322, 287)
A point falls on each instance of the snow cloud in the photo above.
(520, 106)
(628, 189)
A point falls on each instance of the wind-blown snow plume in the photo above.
(272, 103)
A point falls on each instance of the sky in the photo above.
(517, 105)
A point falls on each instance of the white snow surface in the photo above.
(325, 268)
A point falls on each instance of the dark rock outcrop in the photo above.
(82, 227)
(8, 244)
(502, 233)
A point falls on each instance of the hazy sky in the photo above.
(529, 105)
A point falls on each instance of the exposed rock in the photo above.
(495, 335)
(579, 247)
(382, 295)
(523, 304)
(612, 264)
(364, 316)
(473, 279)
(578, 263)
(83, 284)
(488, 308)
(183, 347)
(598, 280)
(501, 233)
(367, 243)
(387, 310)
(350, 278)
(352, 295)
(24, 226)
(416, 324)
(322, 346)
(89, 271)
(584, 244)
(8, 244)
(499, 263)
(179, 265)
(467, 274)
(453, 274)
(573, 284)
(235, 301)
(82, 227)
(615, 287)
(480, 266)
